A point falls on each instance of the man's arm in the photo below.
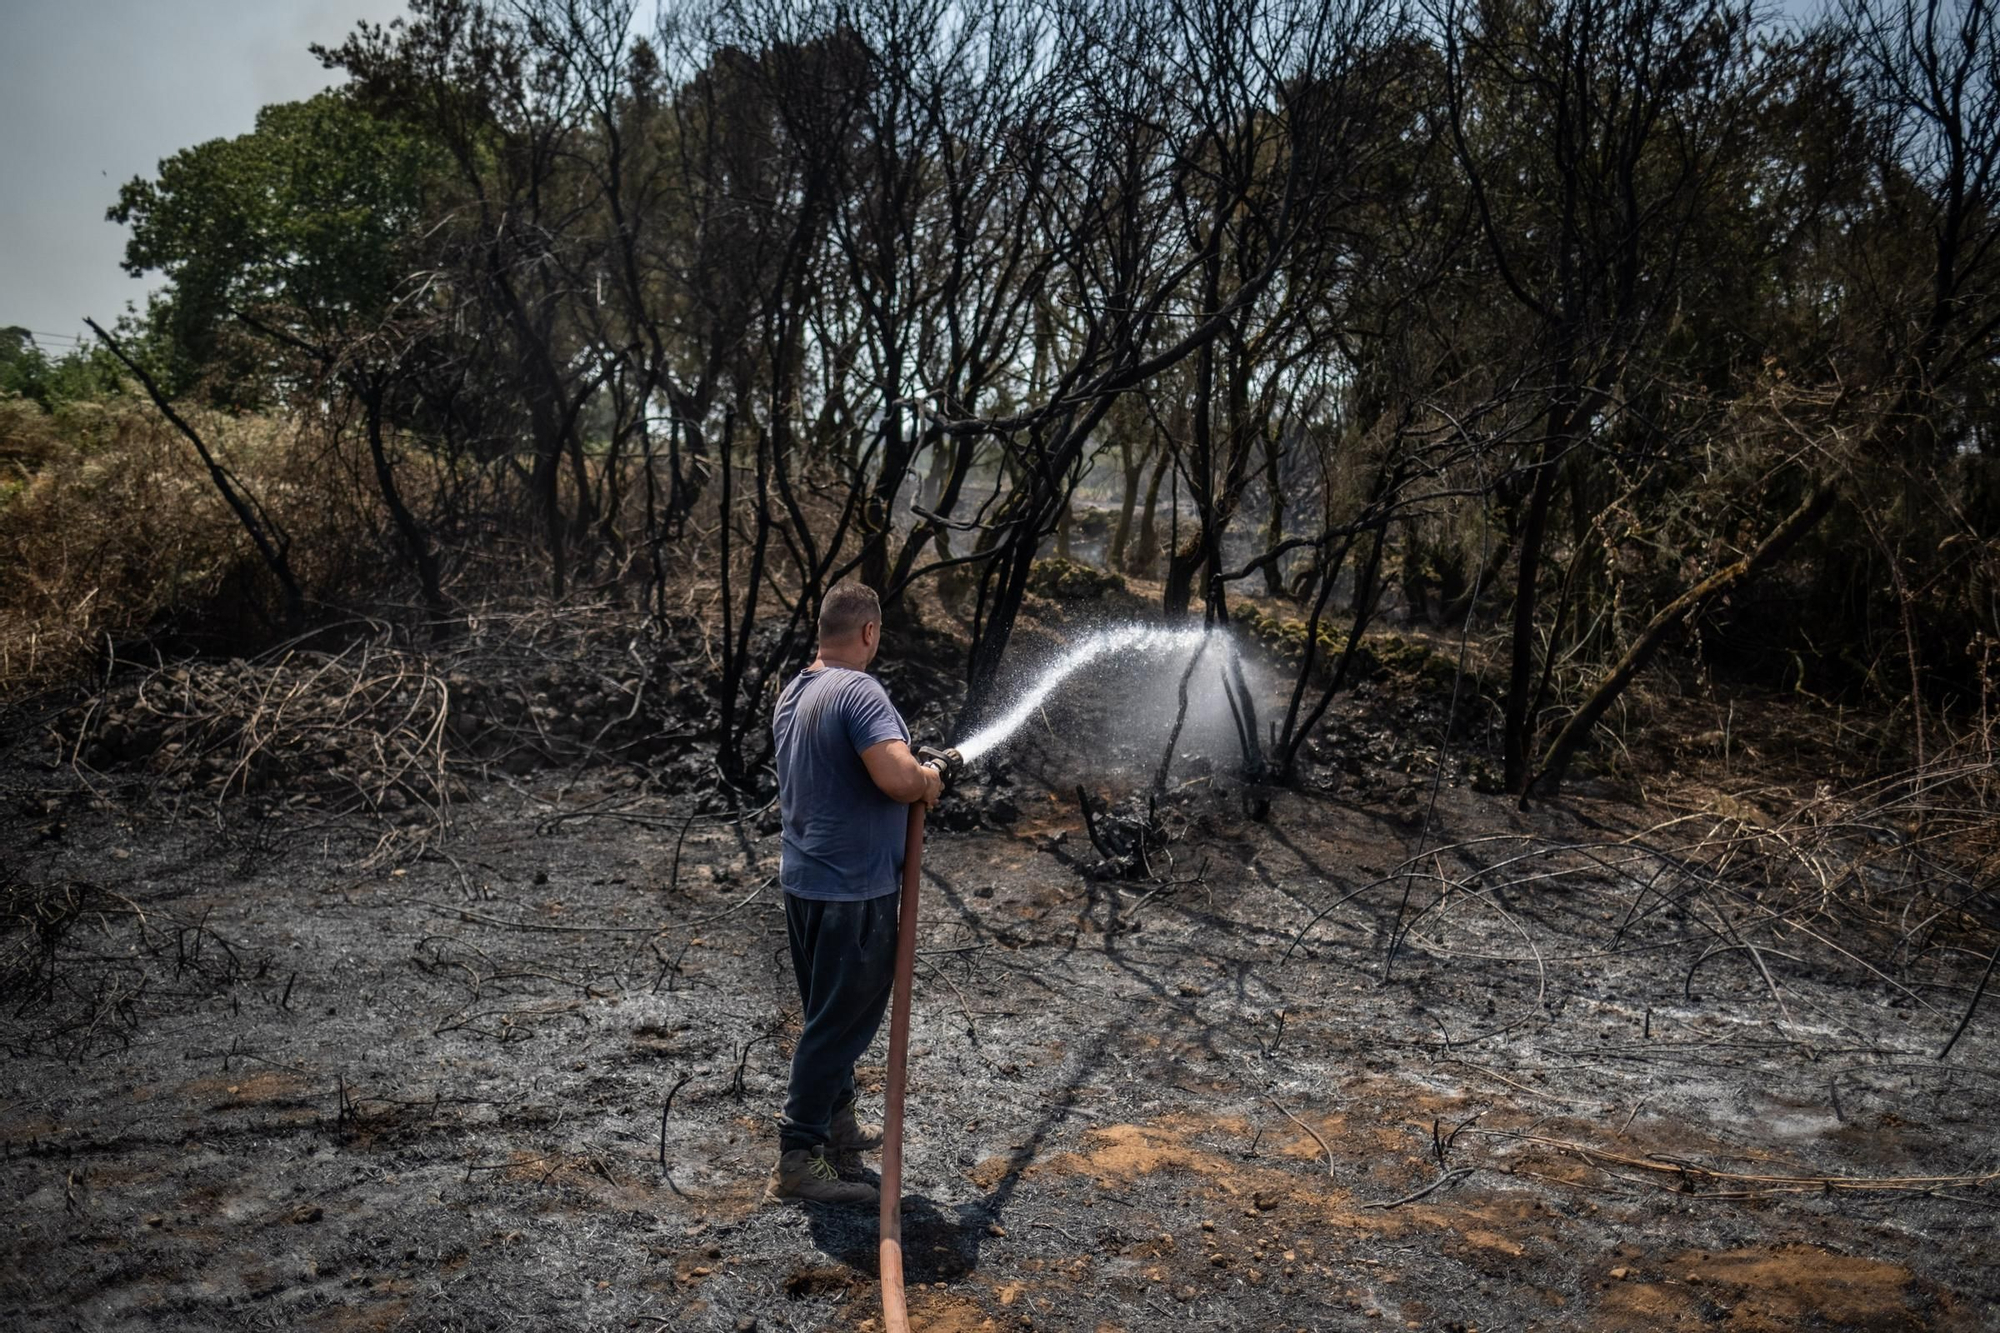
(899, 775)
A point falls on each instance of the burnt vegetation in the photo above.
(1578, 413)
(1588, 333)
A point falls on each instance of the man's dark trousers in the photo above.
(844, 954)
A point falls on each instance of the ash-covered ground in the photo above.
(1619, 1073)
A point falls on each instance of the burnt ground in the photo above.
(524, 1075)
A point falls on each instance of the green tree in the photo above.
(29, 372)
(293, 234)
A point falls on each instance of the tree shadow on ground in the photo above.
(938, 1246)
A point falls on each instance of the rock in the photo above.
(1620, 1273)
(1067, 581)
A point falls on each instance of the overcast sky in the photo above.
(94, 92)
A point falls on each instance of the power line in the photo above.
(41, 335)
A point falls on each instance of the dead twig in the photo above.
(1455, 1173)
(467, 914)
(735, 907)
(1980, 991)
(665, 1111)
(1308, 1129)
(1690, 1171)
(736, 1088)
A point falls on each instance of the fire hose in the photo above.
(895, 1312)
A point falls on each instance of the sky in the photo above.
(94, 92)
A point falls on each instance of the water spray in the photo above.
(1132, 638)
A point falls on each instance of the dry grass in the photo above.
(109, 524)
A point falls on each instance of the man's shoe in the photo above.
(804, 1173)
(845, 1134)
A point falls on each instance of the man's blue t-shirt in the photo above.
(843, 837)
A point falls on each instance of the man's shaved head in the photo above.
(848, 606)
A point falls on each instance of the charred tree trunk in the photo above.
(1358, 622)
(1274, 520)
(1517, 733)
(271, 543)
(1131, 472)
(1183, 564)
(1146, 557)
(416, 542)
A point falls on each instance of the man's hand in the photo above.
(899, 775)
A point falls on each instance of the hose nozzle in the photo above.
(949, 763)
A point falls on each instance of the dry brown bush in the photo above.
(109, 524)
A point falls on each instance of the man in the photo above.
(846, 778)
